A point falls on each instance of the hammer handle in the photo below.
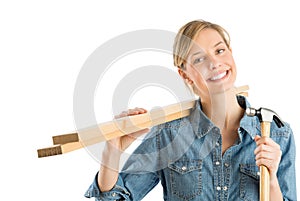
(264, 183)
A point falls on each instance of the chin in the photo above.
(222, 89)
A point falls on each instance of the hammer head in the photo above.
(265, 114)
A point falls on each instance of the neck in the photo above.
(223, 109)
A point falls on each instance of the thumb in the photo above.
(130, 138)
(139, 133)
(257, 137)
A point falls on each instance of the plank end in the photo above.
(49, 151)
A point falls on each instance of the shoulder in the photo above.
(284, 137)
(175, 124)
(169, 126)
(168, 131)
(284, 131)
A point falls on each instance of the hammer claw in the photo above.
(278, 122)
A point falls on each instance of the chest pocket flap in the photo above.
(186, 166)
(250, 170)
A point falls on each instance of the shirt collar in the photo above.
(202, 124)
(250, 124)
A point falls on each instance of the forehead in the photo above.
(206, 39)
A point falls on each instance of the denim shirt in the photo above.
(185, 155)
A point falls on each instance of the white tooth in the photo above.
(220, 76)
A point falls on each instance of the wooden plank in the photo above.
(127, 124)
(122, 126)
(62, 148)
(242, 89)
(129, 121)
(66, 138)
(71, 146)
(49, 151)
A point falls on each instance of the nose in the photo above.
(214, 62)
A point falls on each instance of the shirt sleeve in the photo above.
(286, 171)
(132, 184)
(119, 192)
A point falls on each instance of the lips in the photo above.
(218, 76)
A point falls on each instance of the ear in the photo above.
(184, 76)
(180, 72)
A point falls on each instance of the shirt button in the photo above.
(225, 188)
(183, 168)
(217, 144)
(226, 165)
(114, 194)
(217, 163)
(218, 188)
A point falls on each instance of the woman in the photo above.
(214, 153)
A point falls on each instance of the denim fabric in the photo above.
(185, 155)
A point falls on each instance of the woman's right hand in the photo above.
(123, 142)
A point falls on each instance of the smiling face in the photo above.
(209, 64)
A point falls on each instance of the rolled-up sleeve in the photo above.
(286, 171)
(135, 180)
(119, 192)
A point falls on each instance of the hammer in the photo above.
(265, 117)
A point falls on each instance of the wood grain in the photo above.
(122, 126)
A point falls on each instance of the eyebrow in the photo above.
(199, 52)
(202, 51)
(218, 43)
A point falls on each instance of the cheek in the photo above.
(233, 68)
(197, 74)
(230, 61)
(198, 79)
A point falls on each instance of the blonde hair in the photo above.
(187, 33)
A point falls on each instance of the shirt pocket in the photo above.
(185, 177)
(249, 182)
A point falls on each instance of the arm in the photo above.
(109, 169)
(109, 184)
(128, 185)
(286, 173)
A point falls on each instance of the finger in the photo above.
(267, 141)
(141, 110)
(122, 114)
(272, 165)
(136, 111)
(263, 140)
(132, 112)
(263, 148)
(139, 133)
(257, 137)
(265, 162)
(129, 112)
(267, 155)
(267, 152)
(260, 140)
(133, 136)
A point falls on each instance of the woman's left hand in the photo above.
(267, 153)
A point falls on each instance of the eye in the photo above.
(198, 60)
(220, 51)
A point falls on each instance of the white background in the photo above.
(43, 46)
